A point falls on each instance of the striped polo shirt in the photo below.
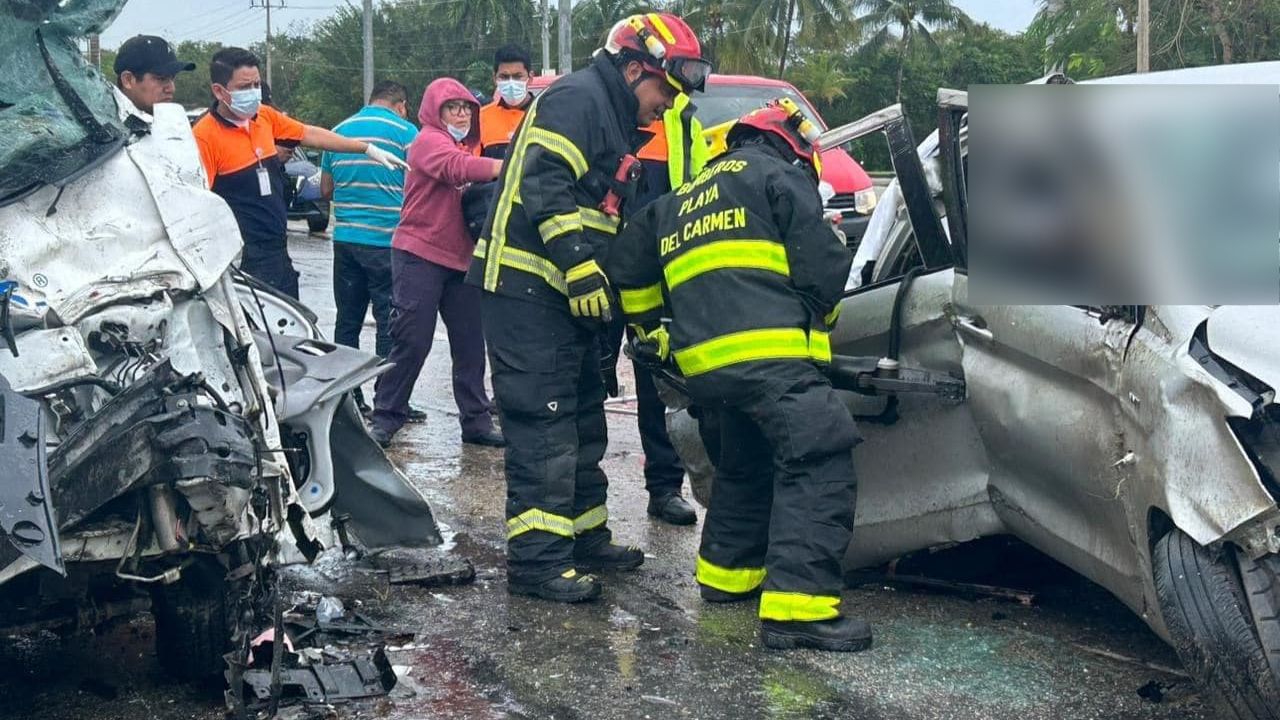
(367, 196)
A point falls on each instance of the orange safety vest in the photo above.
(656, 149)
(498, 123)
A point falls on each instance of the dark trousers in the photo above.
(784, 490)
(420, 290)
(546, 380)
(270, 263)
(362, 276)
(663, 471)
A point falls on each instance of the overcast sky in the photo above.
(235, 22)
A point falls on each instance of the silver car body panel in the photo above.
(1083, 433)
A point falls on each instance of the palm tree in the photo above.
(781, 17)
(821, 78)
(506, 20)
(912, 19)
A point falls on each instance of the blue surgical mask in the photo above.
(513, 91)
(245, 102)
(458, 134)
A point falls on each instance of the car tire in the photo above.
(193, 622)
(318, 224)
(1222, 632)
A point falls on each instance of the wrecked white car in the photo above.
(1138, 445)
(166, 429)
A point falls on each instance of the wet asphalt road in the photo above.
(650, 648)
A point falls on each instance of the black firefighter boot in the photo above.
(595, 554)
(840, 634)
(569, 587)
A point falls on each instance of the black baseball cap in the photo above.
(149, 54)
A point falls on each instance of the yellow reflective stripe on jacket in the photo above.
(730, 580)
(525, 261)
(820, 345)
(800, 607)
(641, 300)
(591, 519)
(766, 344)
(560, 145)
(727, 255)
(597, 220)
(558, 225)
(506, 200)
(687, 149)
(535, 519)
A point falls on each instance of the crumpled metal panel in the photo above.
(47, 358)
(26, 513)
(1248, 336)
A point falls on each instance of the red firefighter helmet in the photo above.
(785, 120)
(665, 44)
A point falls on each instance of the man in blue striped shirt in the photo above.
(366, 208)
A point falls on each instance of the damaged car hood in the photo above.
(1246, 336)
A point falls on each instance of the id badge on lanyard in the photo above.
(264, 179)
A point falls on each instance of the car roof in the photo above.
(1261, 73)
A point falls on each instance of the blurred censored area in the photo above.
(1124, 195)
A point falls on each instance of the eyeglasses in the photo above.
(458, 107)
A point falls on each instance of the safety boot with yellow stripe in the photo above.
(569, 587)
(839, 634)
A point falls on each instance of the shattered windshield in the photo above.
(57, 113)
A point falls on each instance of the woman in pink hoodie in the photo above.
(430, 254)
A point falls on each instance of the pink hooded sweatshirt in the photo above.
(431, 223)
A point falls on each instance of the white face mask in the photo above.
(513, 91)
(458, 134)
(245, 102)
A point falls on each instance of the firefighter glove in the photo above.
(656, 343)
(832, 317)
(588, 291)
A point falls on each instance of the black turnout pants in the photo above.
(550, 398)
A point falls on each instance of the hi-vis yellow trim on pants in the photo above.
(641, 300)
(591, 519)
(535, 519)
(767, 344)
(518, 259)
(798, 606)
(730, 580)
(727, 255)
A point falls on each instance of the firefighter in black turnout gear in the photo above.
(547, 298)
(736, 278)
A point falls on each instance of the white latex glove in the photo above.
(389, 161)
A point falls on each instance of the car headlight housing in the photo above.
(864, 201)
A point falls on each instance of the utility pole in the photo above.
(95, 51)
(566, 38)
(1144, 36)
(267, 4)
(368, 49)
(546, 39)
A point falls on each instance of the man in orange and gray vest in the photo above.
(674, 156)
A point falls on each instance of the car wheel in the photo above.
(193, 623)
(1221, 611)
(317, 224)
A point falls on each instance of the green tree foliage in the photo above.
(850, 57)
